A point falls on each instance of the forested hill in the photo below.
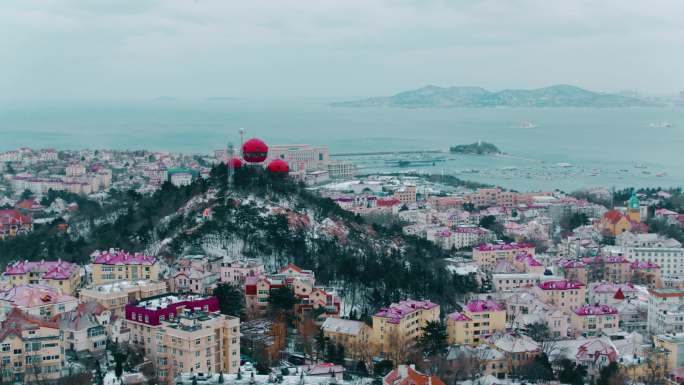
(260, 216)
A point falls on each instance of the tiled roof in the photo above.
(562, 284)
(397, 311)
(31, 295)
(587, 310)
(457, 316)
(479, 306)
(120, 257)
(50, 269)
(503, 246)
(17, 321)
(406, 375)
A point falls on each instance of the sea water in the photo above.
(602, 145)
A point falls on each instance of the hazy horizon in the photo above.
(139, 50)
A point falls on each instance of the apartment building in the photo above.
(478, 319)
(197, 342)
(673, 344)
(563, 294)
(487, 255)
(115, 296)
(300, 157)
(185, 334)
(236, 271)
(486, 197)
(36, 300)
(118, 265)
(85, 328)
(61, 275)
(401, 323)
(669, 259)
(353, 335)
(594, 320)
(406, 194)
(665, 311)
(31, 349)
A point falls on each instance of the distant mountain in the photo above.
(553, 96)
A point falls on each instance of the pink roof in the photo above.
(503, 246)
(456, 316)
(639, 265)
(527, 259)
(50, 269)
(120, 257)
(562, 284)
(613, 287)
(445, 233)
(587, 310)
(615, 259)
(470, 230)
(479, 306)
(665, 212)
(30, 295)
(396, 311)
(570, 264)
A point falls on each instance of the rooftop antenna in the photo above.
(229, 156)
(242, 136)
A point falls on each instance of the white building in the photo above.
(300, 157)
(666, 311)
(181, 179)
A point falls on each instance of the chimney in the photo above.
(403, 371)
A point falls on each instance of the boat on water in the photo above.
(663, 124)
(660, 174)
(563, 164)
(639, 165)
(526, 124)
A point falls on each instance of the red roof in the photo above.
(613, 216)
(619, 294)
(406, 375)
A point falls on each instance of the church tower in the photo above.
(633, 209)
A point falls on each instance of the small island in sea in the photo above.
(477, 148)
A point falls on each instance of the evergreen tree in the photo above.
(231, 300)
(433, 341)
(571, 373)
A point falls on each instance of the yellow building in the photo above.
(406, 194)
(118, 265)
(30, 349)
(615, 222)
(674, 346)
(398, 327)
(185, 334)
(479, 318)
(563, 294)
(353, 335)
(200, 342)
(61, 275)
(594, 320)
(487, 255)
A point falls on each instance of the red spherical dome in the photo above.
(235, 163)
(254, 151)
(279, 166)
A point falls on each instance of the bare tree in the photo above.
(306, 334)
(398, 347)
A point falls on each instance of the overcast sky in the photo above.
(344, 48)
